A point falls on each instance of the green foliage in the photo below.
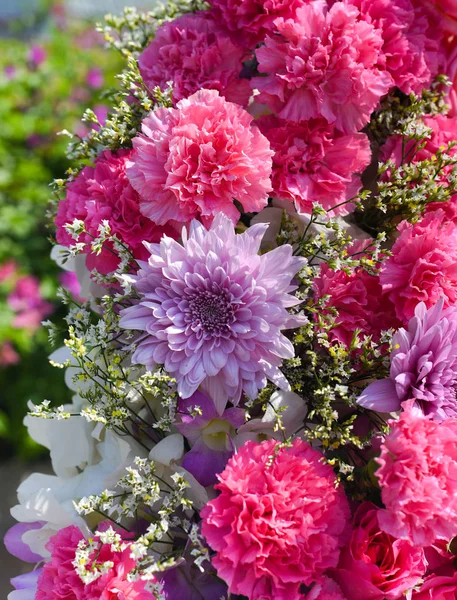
(36, 102)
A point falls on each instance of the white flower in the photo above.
(166, 456)
(289, 407)
(50, 498)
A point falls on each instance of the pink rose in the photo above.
(375, 565)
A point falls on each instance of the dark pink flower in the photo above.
(195, 160)
(37, 55)
(445, 11)
(451, 71)
(103, 192)
(323, 63)
(193, 52)
(375, 565)
(94, 78)
(359, 300)
(438, 587)
(278, 522)
(59, 580)
(410, 48)
(423, 265)
(315, 163)
(325, 589)
(251, 20)
(418, 478)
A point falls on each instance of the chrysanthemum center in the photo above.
(210, 311)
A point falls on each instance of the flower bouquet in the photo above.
(265, 366)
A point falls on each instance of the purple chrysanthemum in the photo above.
(423, 366)
(212, 310)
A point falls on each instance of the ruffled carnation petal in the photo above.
(195, 160)
(418, 479)
(278, 521)
(194, 53)
(323, 63)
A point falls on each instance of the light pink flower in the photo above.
(323, 63)
(275, 526)
(251, 20)
(59, 580)
(315, 163)
(423, 366)
(410, 48)
(359, 300)
(423, 265)
(103, 192)
(418, 478)
(195, 160)
(193, 52)
(374, 564)
(212, 311)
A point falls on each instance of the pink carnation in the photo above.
(315, 163)
(275, 526)
(423, 266)
(410, 48)
(323, 63)
(418, 478)
(59, 580)
(195, 160)
(103, 192)
(193, 53)
(376, 565)
(251, 20)
(359, 300)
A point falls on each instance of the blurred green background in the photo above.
(52, 66)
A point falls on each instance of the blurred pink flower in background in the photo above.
(8, 270)
(95, 78)
(37, 55)
(8, 355)
(69, 281)
(26, 301)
